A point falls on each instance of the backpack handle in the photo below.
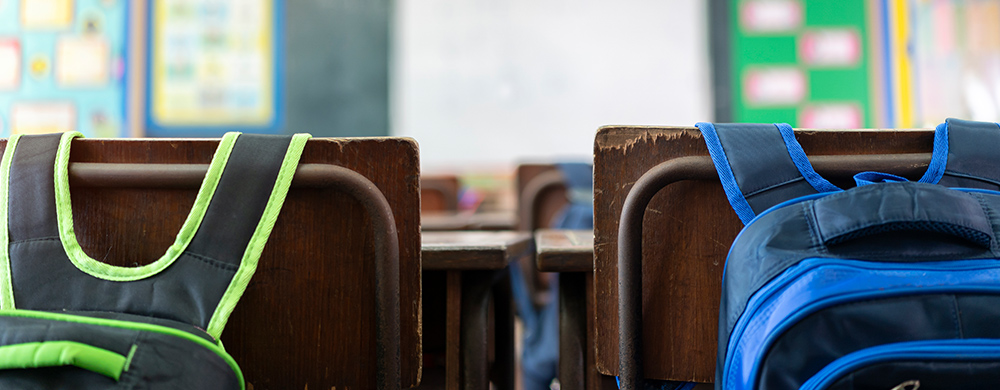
(887, 207)
(64, 353)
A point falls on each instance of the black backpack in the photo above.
(70, 321)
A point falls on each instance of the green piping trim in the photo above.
(248, 264)
(131, 354)
(6, 283)
(140, 326)
(98, 269)
(62, 353)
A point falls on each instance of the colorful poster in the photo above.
(213, 66)
(63, 66)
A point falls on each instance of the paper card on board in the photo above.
(82, 61)
(772, 86)
(42, 117)
(10, 64)
(46, 14)
(832, 116)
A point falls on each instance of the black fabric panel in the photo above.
(824, 336)
(972, 151)
(240, 198)
(954, 181)
(188, 328)
(791, 190)
(759, 159)
(160, 361)
(933, 375)
(187, 291)
(32, 200)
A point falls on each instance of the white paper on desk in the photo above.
(46, 14)
(82, 61)
(10, 64)
(42, 117)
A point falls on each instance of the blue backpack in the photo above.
(890, 285)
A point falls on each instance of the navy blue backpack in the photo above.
(890, 285)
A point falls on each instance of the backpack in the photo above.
(70, 321)
(891, 284)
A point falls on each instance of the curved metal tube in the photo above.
(545, 181)
(387, 332)
(630, 366)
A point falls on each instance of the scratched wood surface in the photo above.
(688, 228)
(306, 319)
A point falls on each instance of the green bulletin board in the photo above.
(806, 63)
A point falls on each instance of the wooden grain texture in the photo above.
(306, 319)
(550, 202)
(688, 228)
(473, 250)
(562, 250)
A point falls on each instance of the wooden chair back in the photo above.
(541, 195)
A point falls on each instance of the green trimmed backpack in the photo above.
(70, 321)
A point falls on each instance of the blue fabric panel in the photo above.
(972, 152)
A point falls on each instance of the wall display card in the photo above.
(213, 66)
(71, 64)
(771, 16)
(831, 47)
(832, 116)
(82, 61)
(10, 64)
(38, 118)
(775, 86)
(46, 14)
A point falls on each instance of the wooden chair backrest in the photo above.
(687, 231)
(439, 193)
(541, 195)
(306, 318)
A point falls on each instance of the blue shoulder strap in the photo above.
(968, 154)
(760, 165)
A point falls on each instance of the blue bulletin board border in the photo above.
(156, 129)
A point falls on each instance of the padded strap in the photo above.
(760, 165)
(971, 151)
(240, 198)
(31, 172)
(871, 210)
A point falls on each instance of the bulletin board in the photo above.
(63, 67)
(806, 63)
(214, 66)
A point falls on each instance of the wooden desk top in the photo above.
(473, 250)
(560, 250)
(447, 221)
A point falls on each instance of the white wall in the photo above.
(488, 83)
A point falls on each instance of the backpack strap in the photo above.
(760, 165)
(966, 153)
